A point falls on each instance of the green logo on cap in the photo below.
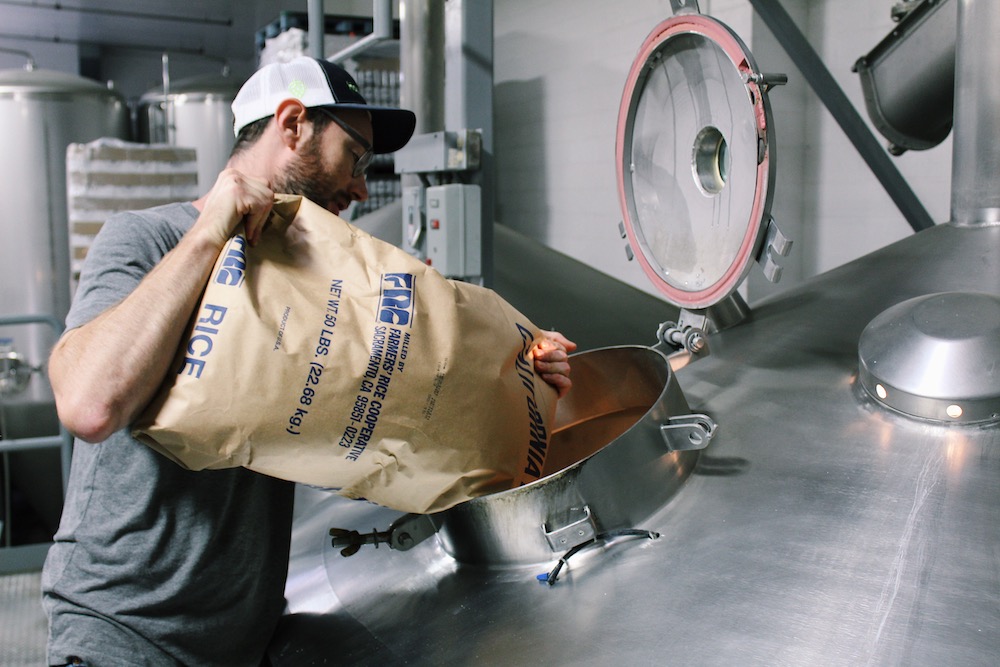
(353, 87)
(297, 89)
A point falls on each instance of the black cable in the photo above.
(550, 577)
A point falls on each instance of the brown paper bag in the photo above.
(325, 356)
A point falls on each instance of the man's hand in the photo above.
(235, 198)
(551, 353)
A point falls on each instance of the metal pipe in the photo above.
(468, 93)
(317, 28)
(382, 18)
(167, 120)
(29, 61)
(422, 63)
(59, 7)
(421, 89)
(12, 320)
(381, 31)
(975, 173)
(850, 121)
(25, 444)
(55, 39)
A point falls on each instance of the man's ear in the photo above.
(290, 117)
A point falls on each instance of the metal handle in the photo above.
(775, 243)
(688, 432)
(572, 533)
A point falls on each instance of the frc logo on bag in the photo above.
(396, 306)
(234, 263)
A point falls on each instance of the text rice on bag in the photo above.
(325, 356)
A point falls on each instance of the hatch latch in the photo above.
(405, 533)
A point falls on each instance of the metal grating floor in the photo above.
(23, 626)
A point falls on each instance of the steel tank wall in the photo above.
(195, 113)
(42, 112)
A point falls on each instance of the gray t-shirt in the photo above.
(154, 564)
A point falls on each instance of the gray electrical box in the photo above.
(454, 230)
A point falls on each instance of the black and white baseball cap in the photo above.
(318, 83)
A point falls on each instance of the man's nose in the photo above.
(359, 188)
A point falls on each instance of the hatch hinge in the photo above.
(765, 80)
(685, 336)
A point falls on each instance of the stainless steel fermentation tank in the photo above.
(41, 113)
(195, 112)
(828, 522)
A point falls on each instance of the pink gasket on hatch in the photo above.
(720, 34)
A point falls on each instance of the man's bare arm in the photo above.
(105, 372)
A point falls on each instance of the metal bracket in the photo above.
(405, 533)
(688, 432)
(410, 530)
(574, 533)
(775, 243)
(441, 152)
(695, 319)
(683, 336)
(685, 7)
(628, 248)
(765, 80)
(697, 324)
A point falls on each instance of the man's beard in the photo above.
(305, 176)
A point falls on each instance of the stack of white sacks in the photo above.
(110, 175)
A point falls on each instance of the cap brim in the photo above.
(391, 127)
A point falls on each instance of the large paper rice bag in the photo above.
(325, 356)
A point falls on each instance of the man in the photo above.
(154, 564)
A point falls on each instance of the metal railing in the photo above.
(15, 558)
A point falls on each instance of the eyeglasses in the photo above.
(361, 163)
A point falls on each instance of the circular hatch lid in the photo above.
(695, 159)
